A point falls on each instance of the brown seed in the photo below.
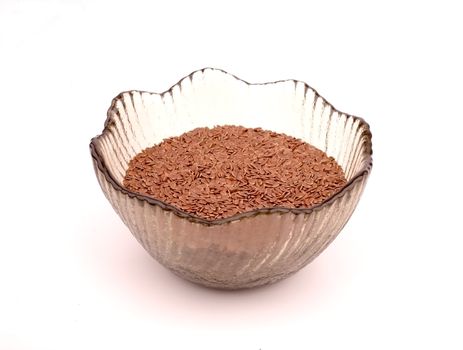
(219, 172)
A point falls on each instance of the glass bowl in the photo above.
(249, 249)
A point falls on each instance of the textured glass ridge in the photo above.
(249, 249)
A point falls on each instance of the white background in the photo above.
(73, 277)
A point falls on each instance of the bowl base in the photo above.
(210, 282)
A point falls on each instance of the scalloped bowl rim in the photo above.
(364, 171)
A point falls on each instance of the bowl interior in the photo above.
(209, 97)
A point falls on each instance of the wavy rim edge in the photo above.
(183, 214)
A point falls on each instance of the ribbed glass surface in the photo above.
(250, 249)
